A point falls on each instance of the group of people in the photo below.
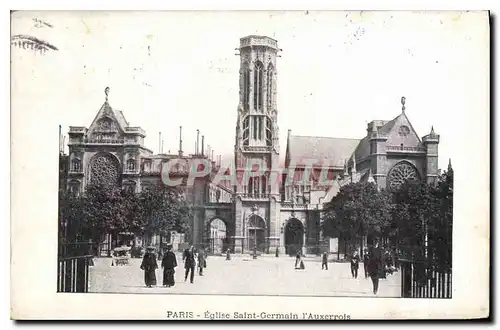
(190, 257)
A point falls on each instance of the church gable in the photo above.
(401, 132)
(106, 126)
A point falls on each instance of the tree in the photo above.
(164, 209)
(358, 210)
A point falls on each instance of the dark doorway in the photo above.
(256, 233)
(294, 236)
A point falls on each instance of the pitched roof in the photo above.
(333, 151)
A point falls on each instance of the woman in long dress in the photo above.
(169, 263)
(149, 267)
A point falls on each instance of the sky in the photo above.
(337, 72)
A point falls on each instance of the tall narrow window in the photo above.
(258, 86)
(254, 128)
(268, 132)
(270, 72)
(246, 86)
(264, 186)
(245, 131)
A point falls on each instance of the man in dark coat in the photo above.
(324, 261)
(169, 263)
(375, 266)
(202, 261)
(149, 267)
(189, 263)
(355, 264)
(366, 260)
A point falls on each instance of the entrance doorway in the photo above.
(256, 233)
(218, 235)
(294, 236)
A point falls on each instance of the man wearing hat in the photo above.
(149, 266)
(169, 263)
(189, 263)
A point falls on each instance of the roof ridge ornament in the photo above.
(403, 101)
(106, 91)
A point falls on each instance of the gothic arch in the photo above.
(294, 231)
(269, 85)
(104, 169)
(246, 85)
(258, 85)
(402, 172)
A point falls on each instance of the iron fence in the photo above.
(419, 280)
(73, 274)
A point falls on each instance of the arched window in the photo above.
(270, 72)
(246, 86)
(269, 129)
(245, 131)
(258, 85)
(131, 165)
(76, 165)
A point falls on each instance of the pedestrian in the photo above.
(149, 267)
(366, 258)
(297, 259)
(277, 252)
(324, 261)
(189, 263)
(202, 262)
(254, 252)
(168, 264)
(228, 254)
(375, 265)
(355, 264)
(299, 263)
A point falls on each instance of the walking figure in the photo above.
(324, 261)
(189, 263)
(366, 258)
(299, 263)
(355, 264)
(168, 264)
(254, 252)
(149, 267)
(375, 266)
(228, 255)
(202, 261)
(277, 252)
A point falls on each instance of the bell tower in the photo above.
(256, 145)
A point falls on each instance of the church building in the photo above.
(256, 213)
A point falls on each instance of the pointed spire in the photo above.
(354, 163)
(403, 101)
(432, 130)
(449, 165)
(345, 167)
(106, 91)
(180, 141)
(197, 141)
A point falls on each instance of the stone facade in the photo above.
(256, 213)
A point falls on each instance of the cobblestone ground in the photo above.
(242, 275)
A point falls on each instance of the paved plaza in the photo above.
(267, 275)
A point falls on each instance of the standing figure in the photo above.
(228, 255)
(168, 264)
(189, 263)
(366, 260)
(324, 261)
(277, 252)
(297, 260)
(254, 253)
(149, 267)
(355, 264)
(202, 262)
(375, 265)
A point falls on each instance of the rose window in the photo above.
(402, 173)
(104, 171)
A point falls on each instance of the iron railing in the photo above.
(73, 274)
(418, 280)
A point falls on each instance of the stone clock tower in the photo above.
(256, 200)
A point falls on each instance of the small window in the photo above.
(76, 165)
(131, 165)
